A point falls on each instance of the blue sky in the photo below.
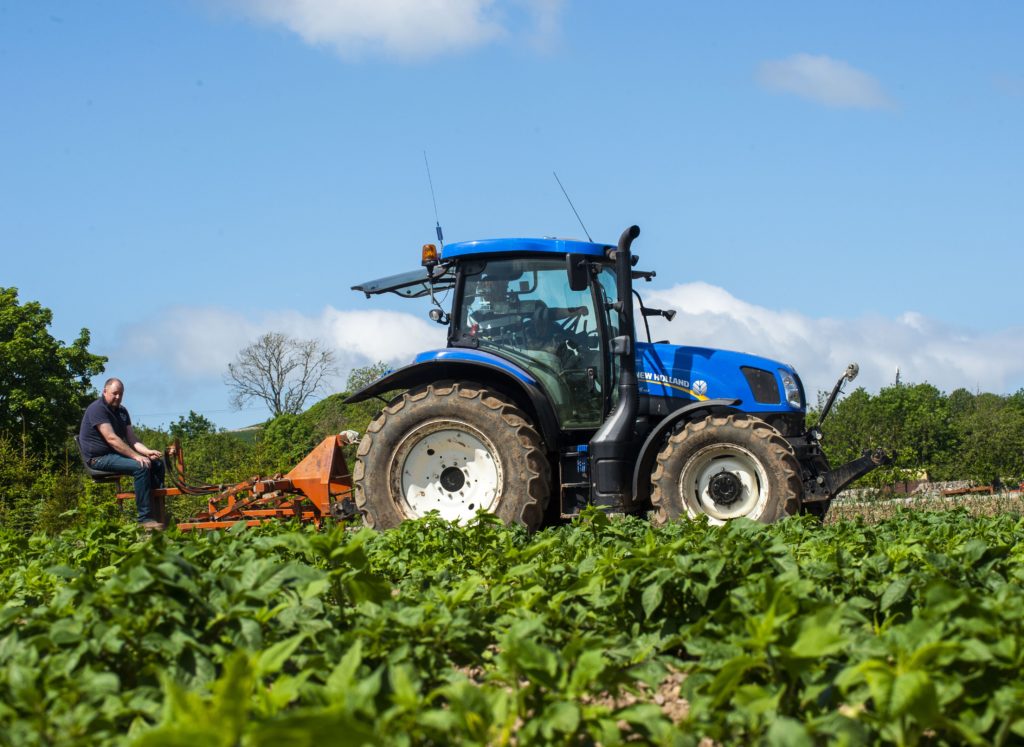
(815, 182)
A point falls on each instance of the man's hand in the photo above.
(148, 453)
(143, 460)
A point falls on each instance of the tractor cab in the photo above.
(525, 302)
(524, 310)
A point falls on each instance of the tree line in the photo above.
(46, 384)
(962, 435)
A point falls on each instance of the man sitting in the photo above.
(109, 444)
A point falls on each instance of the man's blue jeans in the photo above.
(146, 478)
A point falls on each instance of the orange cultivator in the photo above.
(318, 487)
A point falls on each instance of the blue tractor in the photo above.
(544, 401)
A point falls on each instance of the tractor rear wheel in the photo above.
(725, 468)
(455, 448)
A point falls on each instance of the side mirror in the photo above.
(578, 269)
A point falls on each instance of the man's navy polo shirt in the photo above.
(92, 442)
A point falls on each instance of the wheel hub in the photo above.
(452, 479)
(725, 488)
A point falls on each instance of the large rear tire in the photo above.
(455, 448)
(725, 468)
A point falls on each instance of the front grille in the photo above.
(763, 385)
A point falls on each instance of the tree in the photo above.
(286, 440)
(360, 377)
(332, 415)
(279, 371)
(193, 426)
(44, 384)
(992, 440)
(848, 428)
(910, 421)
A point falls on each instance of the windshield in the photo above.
(525, 311)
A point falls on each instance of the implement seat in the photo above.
(96, 474)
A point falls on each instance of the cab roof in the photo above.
(415, 284)
(486, 247)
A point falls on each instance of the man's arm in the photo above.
(122, 448)
(141, 447)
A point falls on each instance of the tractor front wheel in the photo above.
(725, 468)
(454, 448)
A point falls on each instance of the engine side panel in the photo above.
(671, 376)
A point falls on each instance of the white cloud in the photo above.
(822, 79)
(177, 362)
(198, 343)
(404, 28)
(923, 349)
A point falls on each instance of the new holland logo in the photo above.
(656, 378)
(698, 390)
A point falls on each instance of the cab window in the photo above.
(524, 311)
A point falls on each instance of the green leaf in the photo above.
(232, 695)
(879, 678)
(914, 693)
(820, 635)
(894, 592)
(438, 719)
(316, 588)
(137, 580)
(730, 675)
(270, 660)
(404, 690)
(343, 676)
(561, 717)
(534, 660)
(285, 690)
(788, 732)
(651, 599)
(588, 667)
(66, 631)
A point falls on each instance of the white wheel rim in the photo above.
(708, 464)
(448, 467)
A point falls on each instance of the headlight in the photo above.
(792, 388)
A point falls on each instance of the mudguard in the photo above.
(472, 365)
(649, 451)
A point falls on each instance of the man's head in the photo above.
(113, 392)
(493, 294)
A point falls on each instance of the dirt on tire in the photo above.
(752, 440)
(524, 482)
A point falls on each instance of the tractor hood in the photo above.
(697, 374)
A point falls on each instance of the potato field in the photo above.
(907, 631)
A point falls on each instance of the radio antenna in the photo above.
(437, 221)
(573, 207)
